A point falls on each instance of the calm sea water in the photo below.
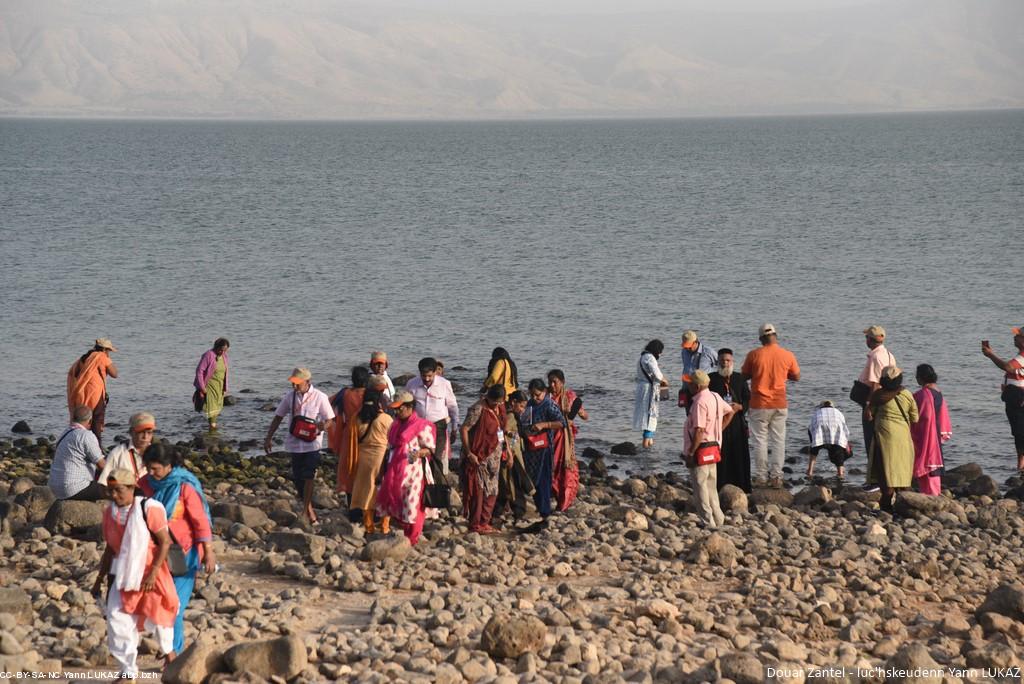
(571, 244)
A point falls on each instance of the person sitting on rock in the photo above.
(129, 456)
(76, 460)
(140, 590)
(829, 431)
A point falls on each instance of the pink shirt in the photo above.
(313, 404)
(878, 358)
(707, 410)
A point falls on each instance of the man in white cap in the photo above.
(311, 415)
(768, 368)
(868, 381)
(141, 425)
(87, 383)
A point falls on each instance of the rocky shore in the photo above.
(816, 585)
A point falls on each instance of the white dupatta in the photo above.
(130, 564)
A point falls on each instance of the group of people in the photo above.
(157, 529)
(395, 447)
(903, 433)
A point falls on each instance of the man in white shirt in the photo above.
(878, 358)
(435, 401)
(129, 456)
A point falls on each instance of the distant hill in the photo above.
(342, 59)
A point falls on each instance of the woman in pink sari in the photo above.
(929, 432)
(565, 480)
(411, 441)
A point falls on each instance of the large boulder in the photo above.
(310, 546)
(284, 657)
(395, 547)
(16, 601)
(812, 495)
(915, 505)
(196, 663)
(714, 549)
(21, 428)
(36, 501)
(249, 516)
(912, 664)
(624, 449)
(71, 518)
(1006, 599)
(763, 496)
(510, 636)
(732, 499)
(983, 486)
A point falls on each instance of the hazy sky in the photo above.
(506, 58)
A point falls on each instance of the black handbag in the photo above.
(176, 562)
(198, 401)
(859, 393)
(436, 495)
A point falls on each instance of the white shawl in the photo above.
(130, 564)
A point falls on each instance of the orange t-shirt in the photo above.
(769, 367)
(87, 381)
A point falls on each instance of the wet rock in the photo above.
(394, 547)
(16, 601)
(512, 635)
(21, 428)
(624, 449)
(285, 657)
(914, 665)
(196, 663)
(732, 499)
(230, 400)
(73, 518)
(983, 486)
(1006, 599)
(598, 468)
(591, 452)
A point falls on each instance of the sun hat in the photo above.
(300, 374)
(378, 356)
(767, 329)
(700, 378)
(891, 372)
(105, 343)
(122, 476)
(689, 338)
(875, 332)
(401, 398)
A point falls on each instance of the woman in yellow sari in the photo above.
(501, 370)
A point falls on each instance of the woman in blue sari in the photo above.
(188, 519)
(540, 422)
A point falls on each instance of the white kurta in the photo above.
(645, 407)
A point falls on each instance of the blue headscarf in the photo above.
(168, 490)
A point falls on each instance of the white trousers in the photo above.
(123, 635)
(705, 495)
(768, 429)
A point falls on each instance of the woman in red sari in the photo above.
(343, 439)
(482, 446)
(566, 474)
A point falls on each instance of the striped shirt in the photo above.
(1015, 375)
(74, 463)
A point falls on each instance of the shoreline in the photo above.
(622, 587)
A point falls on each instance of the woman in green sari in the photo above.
(211, 381)
(893, 411)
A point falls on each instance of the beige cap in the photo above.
(767, 329)
(701, 379)
(142, 421)
(689, 339)
(300, 374)
(104, 343)
(402, 398)
(378, 356)
(875, 332)
(122, 476)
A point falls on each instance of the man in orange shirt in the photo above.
(768, 369)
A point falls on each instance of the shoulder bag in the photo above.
(301, 427)
(438, 494)
(860, 391)
(176, 562)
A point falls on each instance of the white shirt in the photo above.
(436, 402)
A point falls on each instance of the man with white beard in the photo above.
(734, 468)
